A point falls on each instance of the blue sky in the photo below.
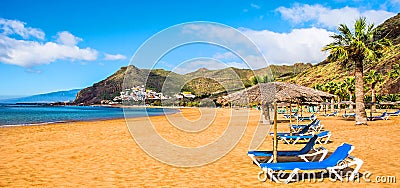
(49, 45)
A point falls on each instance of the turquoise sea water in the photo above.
(37, 114)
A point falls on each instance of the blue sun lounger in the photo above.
(315, 125)
(299, 127)
(338, 160)
(303, 153)
(311, 118)
(384, 116)
(349, 115)
(394, 113)
(287, 116)
(303, 131)
(295, 138)
(335, 113)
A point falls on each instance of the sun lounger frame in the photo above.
(340, 165)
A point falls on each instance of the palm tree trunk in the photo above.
(373, 107)
(361, 115)
(275, 143)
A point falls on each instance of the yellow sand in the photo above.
(103, 153)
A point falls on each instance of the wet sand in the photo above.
(104, 154)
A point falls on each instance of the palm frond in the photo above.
(359, 28)
(347, 35)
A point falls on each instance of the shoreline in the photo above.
(122, 107)
(60, 122)
(90, 120)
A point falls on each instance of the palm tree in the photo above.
(357, 47)
(318, 87)
(340, 91)
(267, 78)
(257, 79)
(391, 97)
(349, 86)
(373, 79)
(330, 87)
(395, 71)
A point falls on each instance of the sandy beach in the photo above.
(104, 154)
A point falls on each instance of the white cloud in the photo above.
(331, 18)
(29, 53)
(255, 6)
(217, 33)
(24, 46)
(67, 38)
(229, 38)
(225, 56)
(33, 71)
(209, 63)
(193, 65)
(237, 65)
(112, 57)
(232, 60)
(11, 27)
(300, 45)
(166, 64)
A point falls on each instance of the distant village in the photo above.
(140, 93)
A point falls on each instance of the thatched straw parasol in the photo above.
(273, 92)
(276, 92)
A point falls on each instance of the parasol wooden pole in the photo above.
(286, 108)
(275, 143)
(301, 110)
(290, 112)
(298, 104)
(290, 117)
(370, 113)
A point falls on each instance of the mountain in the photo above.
(208, 82)
(110, 87)
(390, 29)
(202, 82)
(59, 96)
(282, 72)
